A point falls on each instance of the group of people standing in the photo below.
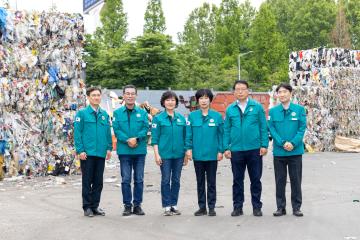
(204, 137)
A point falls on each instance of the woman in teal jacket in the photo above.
(168, 138)
(204, 141)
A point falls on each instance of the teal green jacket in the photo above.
(204, 135)
(169, 134)
(245, 131)
(287, 126)
(132, 125)
(92, 134)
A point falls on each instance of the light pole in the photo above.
(241, 54)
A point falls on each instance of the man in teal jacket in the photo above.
(287, 126)
(92, 136)
(130, 124)
(245, 141)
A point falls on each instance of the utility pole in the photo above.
(241, 54)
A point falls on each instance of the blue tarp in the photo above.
(3, 15)
(2, 147)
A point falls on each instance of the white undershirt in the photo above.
(242, 106)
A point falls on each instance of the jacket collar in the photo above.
(136, 108)
(164, 115)
(251, 102)
(291, 107)
(91, 110)
(211, 113)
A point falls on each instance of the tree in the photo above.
(312, 24)
(113, 32)
(154, 18)
(111, 68)
(284, 11)
(340, 35)
(91, 56)
(107, 41)
(232, 27)
(199, 30)
(197, 72)
(153, 63)
(269, 60)
(353, 16)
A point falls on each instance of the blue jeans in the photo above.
(253, 162)
(127, 164)
(170, 169)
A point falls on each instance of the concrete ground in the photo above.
(49, 208)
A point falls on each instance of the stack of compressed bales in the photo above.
(40, 89)
(327, 83)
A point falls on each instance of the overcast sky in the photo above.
(175, 11)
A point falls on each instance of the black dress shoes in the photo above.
(200, 212)
(257, 212)
(212, 212)
(298, 213)
(138, 211)
(279, 212)
(237, 212)
(127, 211)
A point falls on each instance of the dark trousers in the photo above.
(253, 162)
(206, 169)
(294, 164)
(170, 181)
(128, 163)
(92, 170)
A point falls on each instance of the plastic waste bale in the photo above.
(40, 90)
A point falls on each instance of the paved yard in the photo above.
(46, 208)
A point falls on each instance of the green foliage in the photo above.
(212, 39)
(353, 16)
(270, 55)
(154, 18)
(114, 24)
(154, 62)
(340, 35)
(312, 24)
(199, 30)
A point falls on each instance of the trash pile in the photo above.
(40, 90)
(327, 83)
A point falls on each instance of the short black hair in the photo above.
(204, 92)
(92, 89)
(167, 95)
(284, 85)
(240, 82)
(129, 86)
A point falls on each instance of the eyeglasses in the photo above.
(129, 94)
(241, 89)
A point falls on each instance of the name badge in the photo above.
(294, 119)
(138, 115)
(211, 124)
